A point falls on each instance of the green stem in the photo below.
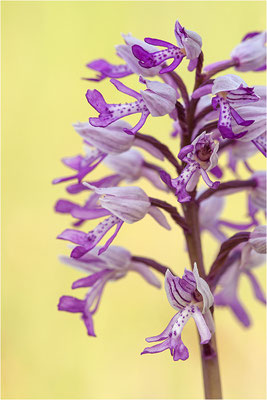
(209, 355)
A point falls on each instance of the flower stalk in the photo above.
(209, 354)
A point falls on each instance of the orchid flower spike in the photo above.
(230, 91)
(114, 264)
(121, 204)
(200, 156)
(191, 296)
(158, 99)
(189, 45)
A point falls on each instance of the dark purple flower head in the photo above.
(114, 264)
(188, 295)
(159, 99)
(188, 45)
(200, 156)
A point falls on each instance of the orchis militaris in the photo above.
(114, 264)
(230, 91)
(158, 100)
(189, 45)
(249, 55)
(191, 296)
(220, 116)
(120, 204)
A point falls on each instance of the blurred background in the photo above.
(46, 353)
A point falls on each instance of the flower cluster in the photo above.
(222, 116)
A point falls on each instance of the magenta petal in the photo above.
(217, 172)
(64, 206)
(110, 240)
(78, 252)
(239, 120)
(95, 98)
(88, 322)
(158, 42)
(92, 213)
(172, 66)
(157, 348)
(73, 162)
(71, 304)
(256, 287)
(185, 150)
(227, 133)
(146, 59)
(74, 236)
(89, 280)
(163, 335)
(125, 89)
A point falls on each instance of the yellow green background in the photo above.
(46, 353)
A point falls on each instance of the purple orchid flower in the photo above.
(249, 55)
(189, 45)
(210, 218)
(99, 143)
(230, 91)
(129, 166)
(132, 166)
(159, 99)
(256, 133)
(200, 156)
(247, 259)
(240, 152)
(124, 51)
(107, 70)
(124, 204)
(188, 295)
(114, 264)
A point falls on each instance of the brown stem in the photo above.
(178, 219)
(181, 86)
(203, 113)
(218, 267)
(220, 68)
(208, 127)
(237, 184)
(211, 370)
(162, 147)
(209, 356)
(152, 263)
